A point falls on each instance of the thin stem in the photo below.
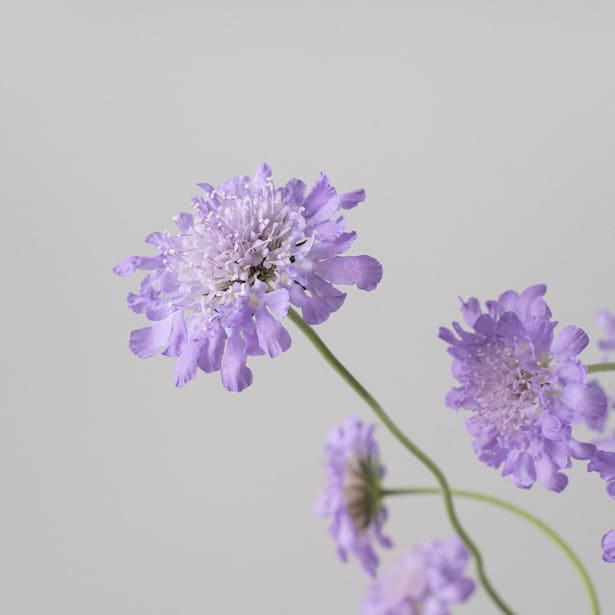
(364, 394)
(600, 367)
(554, 536)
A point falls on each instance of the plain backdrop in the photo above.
(484, 134)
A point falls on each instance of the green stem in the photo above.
(600, 367)
(557, 539)
(364, 394)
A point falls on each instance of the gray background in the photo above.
(483, 133)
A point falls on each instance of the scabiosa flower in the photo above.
(524, 387)
(217, 290)
(608, 546)
(352, 500)
(424, 581)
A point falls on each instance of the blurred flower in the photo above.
(217, 290)
(352, 500)
(424, 581)
(608, 546)
(524, 386)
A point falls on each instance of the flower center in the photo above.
(361, 491)
(236, 244)
(506, 380)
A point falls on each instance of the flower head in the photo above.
(424, 581)
(352, 500)
(218, 289)
(524, 386)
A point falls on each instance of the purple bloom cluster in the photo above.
(524, 386)
(352, 499)
(424, 581)
(217, 290)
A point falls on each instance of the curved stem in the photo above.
(554, 536)
(600, 367)
(364, 394)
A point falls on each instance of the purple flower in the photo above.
(217, 291)
(608, 546)
(424, 581)
(352, 500)
(524, 386)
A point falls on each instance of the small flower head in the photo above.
(424, 581)
(218, 289)
(352, 501)
(523, 385)
(608, 546)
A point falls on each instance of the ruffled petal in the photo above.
(470, 310)
(321, 194)
(348, 200)
(587, 401)
(526, 301)
(548, 475)
(162, 240)
(327, 249)
(581, 450)
(524, 471)
(128, 265)
(294, 191)
(569, 342)
(273, 338)
(186, 364)
(212, 348)
(603, 462)
(553, 428)
(183, 221)
(559, 451)
(261, 176)
(364, 271)
(235, 375)
(278, 302)
(148, 341)
(313, 310)
(325, 292)
(177, 336)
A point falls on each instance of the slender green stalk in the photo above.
(600, 367)
(364, 394)
(541, 525)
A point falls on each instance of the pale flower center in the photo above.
(356, 493)
(242, 241)
(505, 389)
